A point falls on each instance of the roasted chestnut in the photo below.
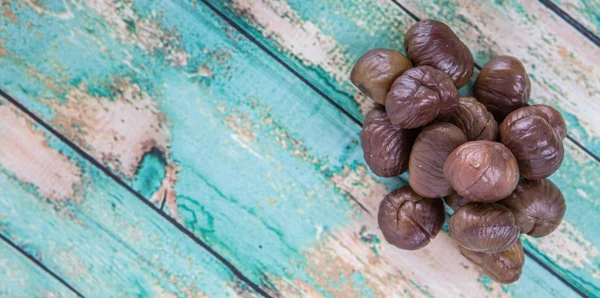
(434, 44)
(502, 86)
(538, 206)
(386, 147)
(550, 114)
(376, 70)
(535, 144)
(484, 227)
(409, 221)
(482, 171)
(420, 95)
(455, 201)
(426, 162)
(474, 120)
(503, 267)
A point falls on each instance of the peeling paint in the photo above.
(148, 33)
(279, 21)
(25, 153)
(569, 249)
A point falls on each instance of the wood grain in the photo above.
(90, 231)
(586, 12)
(265, 20)
(20, 277)
(256, 164)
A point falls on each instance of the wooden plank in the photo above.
(351, 28)
(268, 173)
(585, 12)
(20, 277)
(89, 230)
(562, 63)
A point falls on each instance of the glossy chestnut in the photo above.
(433, 43)
(473, 118)
(386, 147)
(535, 144)
(409, 221)
(550, 114)
(503, 267)
(482, 171)
(419, 96)
(426, 163)
(502, 86)
(376, 70)
(539, 207)
(484, 227)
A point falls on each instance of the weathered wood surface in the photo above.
(322, 39)
(235, 149)
(586, 12)
(98, 237)
(342, 31)
(19, 277)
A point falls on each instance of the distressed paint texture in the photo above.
(20, 277)
(562, 63)
(344, 17)
(586, 12)
(285, 199)
(104, 243)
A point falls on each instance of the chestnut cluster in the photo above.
(487, 156)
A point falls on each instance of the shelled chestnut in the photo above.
(488, 156)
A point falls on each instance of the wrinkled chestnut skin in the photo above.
(386, 147)
(503, 267)
(376, 70)
(474, 120)
(539, 207)
(434, 44)
(549, 114)
(409, 221)
(426, 162)
(502, 86)
(484, 227)
(482, 171)
(455, 201)
(535, 144)
(419, 96)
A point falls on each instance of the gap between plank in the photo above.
(39, 264)
(578, 144)
(578, 26)
(139, 196)
(358, 122)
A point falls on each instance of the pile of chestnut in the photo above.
(487, 156)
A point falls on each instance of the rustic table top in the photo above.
(184, 148)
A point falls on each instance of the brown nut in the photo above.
(434, 44)
(503, 267)
(419, 96)
(538, 206)
(426, 162)
(549, 114)
(386, 147)
(409, 221)
(484, 227)
(535, 144)
(376, 70)
(474, 120)
(455, 201)
(502, 86)
(482, 171)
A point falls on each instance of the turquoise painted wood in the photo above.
(342, 31)
(90, 231)
(19, 277)
(322, 39)
(283, 204)
(586, 12)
